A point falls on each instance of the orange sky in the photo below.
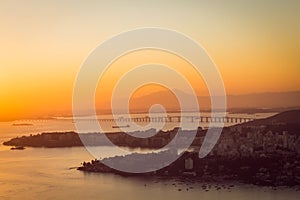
(255, 45)
(129, 61)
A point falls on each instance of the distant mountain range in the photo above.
(276, 101)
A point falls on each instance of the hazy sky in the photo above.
(255, 44)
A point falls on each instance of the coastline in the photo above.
(264, 171)
(261, 152)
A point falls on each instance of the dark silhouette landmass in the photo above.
(291, 118)
(264, 169)
(54, 139)
(263, 152)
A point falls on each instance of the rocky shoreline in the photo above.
(272, 170)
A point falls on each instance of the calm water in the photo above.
(40, 173)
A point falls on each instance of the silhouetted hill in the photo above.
(265, 100)
(237, 103)
(287, 117)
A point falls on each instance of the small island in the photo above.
(17, 148)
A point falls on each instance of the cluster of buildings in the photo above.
(263, 155)
(256, 141)
(235, 141)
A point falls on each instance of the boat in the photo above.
(125, 126)
(17, 148)
(22, 124)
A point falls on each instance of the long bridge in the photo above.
(169, 119)
(165, 119)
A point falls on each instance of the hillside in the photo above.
(280, 101)
(287, 117)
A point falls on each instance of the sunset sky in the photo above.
(255, 44)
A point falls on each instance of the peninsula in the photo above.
(263, 152)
